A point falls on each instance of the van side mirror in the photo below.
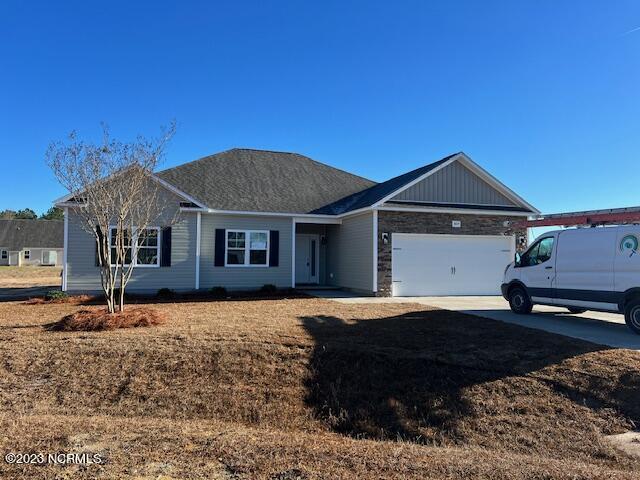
(517, 260)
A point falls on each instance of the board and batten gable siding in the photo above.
(454, 184)
(244, 278)
(350, 253)
(84, 276)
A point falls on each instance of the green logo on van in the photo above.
(629, 244)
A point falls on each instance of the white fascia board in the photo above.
(300, 217)
(460, 211)
(321, 220)
(69, 205)
(177, 191)
(494, 182)
(63, 201)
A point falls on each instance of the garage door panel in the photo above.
(424, 265)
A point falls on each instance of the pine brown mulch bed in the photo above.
(100, 319)
(308, 388)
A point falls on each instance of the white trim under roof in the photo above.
(475, 168)
(64, 201)
(458, 211)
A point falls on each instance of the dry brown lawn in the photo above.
(308, 388)
(22, 277)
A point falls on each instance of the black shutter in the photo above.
(165, 247)
(274, 248)
(99, 245)
(219, 248)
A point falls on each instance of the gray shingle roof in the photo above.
(19, 234)
(377, 192)
(263, 181)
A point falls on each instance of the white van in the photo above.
(580, 269)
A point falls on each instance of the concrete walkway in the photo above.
(603, 328)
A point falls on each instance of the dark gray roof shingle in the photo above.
(263, 181)
(377, 192)
(19, 234)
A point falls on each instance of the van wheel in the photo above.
(632, 315)
(576, 310)
(519, 301)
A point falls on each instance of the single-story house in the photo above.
(250, 217)
(31, 242)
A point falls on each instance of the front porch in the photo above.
(312, 256)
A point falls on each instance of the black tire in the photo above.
(576, 310)
(632, 315)
(519, 301)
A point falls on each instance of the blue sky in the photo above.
(543, 94)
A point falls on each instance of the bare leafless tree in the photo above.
(111, 185)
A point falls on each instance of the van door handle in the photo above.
(548, 268)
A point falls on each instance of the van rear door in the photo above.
(584, 267)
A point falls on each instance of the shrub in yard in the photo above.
(165, 293)
(218, 292)
(269, 289)
(56, 296)
(95, 320)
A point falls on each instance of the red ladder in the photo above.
(614, 216)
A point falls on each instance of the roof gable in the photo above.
(387, 191)
(454, 183)
(378, 192)
(18, 234)
(263, 181)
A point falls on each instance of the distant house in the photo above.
(31, 242)
(249, 218)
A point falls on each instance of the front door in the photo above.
(307, 258)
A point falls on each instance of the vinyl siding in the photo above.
(36, 255)
(84, 276)
(454, 184)
(244, 278)
(350, 253)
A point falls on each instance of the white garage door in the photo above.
(449, 264)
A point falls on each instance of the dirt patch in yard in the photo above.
(24, 277)
(317, 389)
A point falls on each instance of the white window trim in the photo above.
(26, 254)
(134, 240)
(247, 249)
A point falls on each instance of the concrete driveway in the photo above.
(603, 328)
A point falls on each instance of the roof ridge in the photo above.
(268, 151)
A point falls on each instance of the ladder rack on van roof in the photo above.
(614, 216)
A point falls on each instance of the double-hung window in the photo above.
(27, 254)
(248, 248)
(148, 247)
(148, 242)
(5, 254)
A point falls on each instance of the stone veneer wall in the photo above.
(438, 223)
